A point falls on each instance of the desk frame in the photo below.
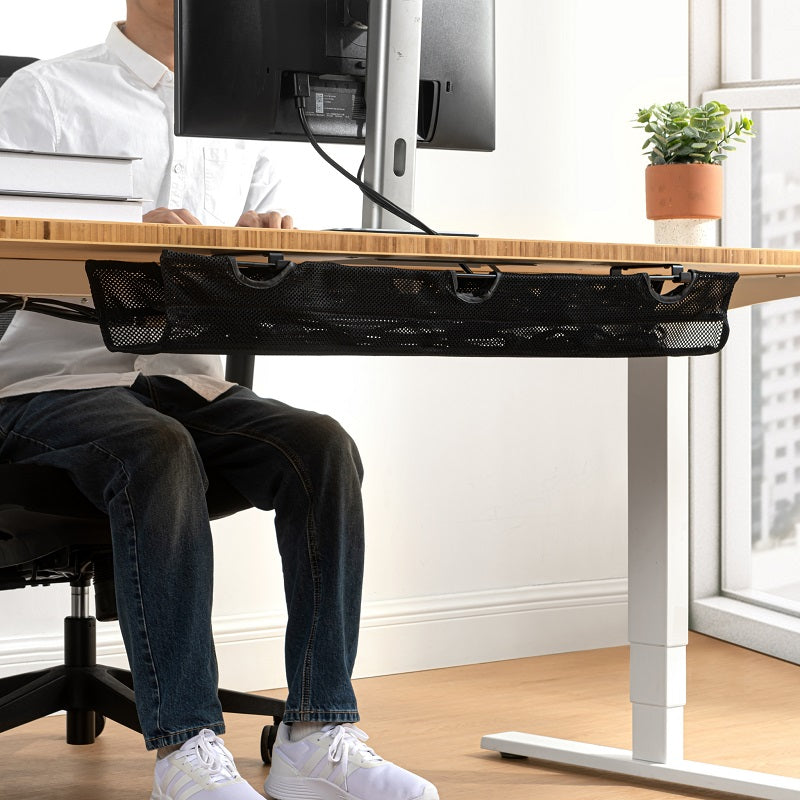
(38, 255)
(658, 556)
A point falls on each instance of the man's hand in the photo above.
(272, 219)
(250, 219)
(171, 216)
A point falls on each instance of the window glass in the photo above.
(775, 28)
(775, 362)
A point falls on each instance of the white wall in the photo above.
(495, 490)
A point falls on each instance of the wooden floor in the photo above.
(742, 711)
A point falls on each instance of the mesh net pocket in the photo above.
(211, 304)
(129, 299)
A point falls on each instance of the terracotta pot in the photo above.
(683, 191)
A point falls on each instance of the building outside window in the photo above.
(755, 69)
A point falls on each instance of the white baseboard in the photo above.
(402, 635)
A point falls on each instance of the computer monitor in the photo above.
(235, 61)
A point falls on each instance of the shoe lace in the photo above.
(210, 753)
(347, 740)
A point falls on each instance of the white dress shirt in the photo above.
(115, 99)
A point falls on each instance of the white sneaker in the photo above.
(335, 764)
(202, 769)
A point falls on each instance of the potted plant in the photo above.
(686, 148)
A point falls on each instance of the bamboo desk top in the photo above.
(46, 257)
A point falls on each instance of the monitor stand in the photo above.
(395, 27)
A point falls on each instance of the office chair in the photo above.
(50, 533)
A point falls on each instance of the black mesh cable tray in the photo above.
(211, 304)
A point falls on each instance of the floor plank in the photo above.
(740, 712)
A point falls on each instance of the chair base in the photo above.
(90, 692)
(84, 692)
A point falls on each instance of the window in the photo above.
(769, 33)
(751, 561)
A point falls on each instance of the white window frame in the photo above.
(719, 385)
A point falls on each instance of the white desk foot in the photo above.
(611, 759)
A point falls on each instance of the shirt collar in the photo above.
(142, 64)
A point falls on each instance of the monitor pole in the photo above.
(393, 56)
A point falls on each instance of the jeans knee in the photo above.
(337, 444)
(167, 449)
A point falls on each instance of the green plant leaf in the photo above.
(679, 134)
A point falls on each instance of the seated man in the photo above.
(136, 433)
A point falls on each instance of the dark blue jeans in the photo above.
(141, 454)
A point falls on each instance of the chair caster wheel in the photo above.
(99, 724)
(268, 735)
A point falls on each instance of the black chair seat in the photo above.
(42, 511)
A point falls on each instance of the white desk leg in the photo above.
(657, 603)
(658, 553)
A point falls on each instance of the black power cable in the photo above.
(302, 90)
(53, 308)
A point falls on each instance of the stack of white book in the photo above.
(61, 186)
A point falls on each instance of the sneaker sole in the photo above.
(304, 789)
(312, 789)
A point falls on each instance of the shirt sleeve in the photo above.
(27, 121)
(266, 192)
